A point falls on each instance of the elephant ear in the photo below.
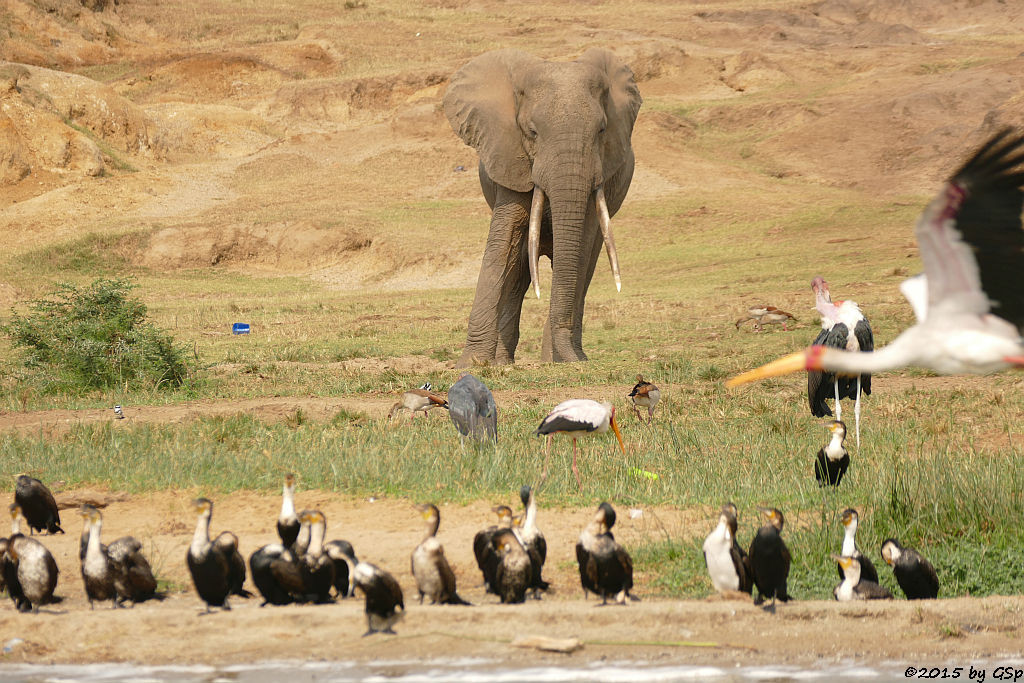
(623, 104)
(480, 104)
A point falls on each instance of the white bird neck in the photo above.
(849, 539)
(16, 525)
(530, 521)
(201, 537)
(834, 450)
(288, 502)
(316, 539)
(94, 537)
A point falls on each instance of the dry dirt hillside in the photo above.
(228, 135)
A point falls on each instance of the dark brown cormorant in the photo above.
(769, 559)
(217, 568)
(854, 586)
(316, 568)
(867, 569)
(514, 572)
(384, 602)
(606, 569)
(833, 459)
(644, 395)
(345, 561)
(914, 573)
(434, 576)
(727, 563)
(288, 521)
(29, 570)
(533, 540)
(37, 504)
(275, 572)
(483, 547)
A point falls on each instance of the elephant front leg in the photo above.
(500, 274)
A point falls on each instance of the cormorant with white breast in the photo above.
(533, 540)
(315, 566)
(117, 572)
(514, 572)
(37, 504)
(727, 563)
(833, 458)
(29, 570)
(769, 559)
(850, 520)
(345, 561)
(434, 576)
(385, 605)
(606, 569)
(214, 565)
(854, 586)
(287, 520)
(483, 548)
(914, 573)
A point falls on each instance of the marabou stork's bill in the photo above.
(843, 327)
(854, 585)
(472, 409)
(644, 395)
(418, 400)
(578, 417)
(833, 459)
(766, 315)
(970, 308)
(913, 571)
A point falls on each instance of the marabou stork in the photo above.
(838, 321)
(578, 417)
(972, 246)
(472, 409)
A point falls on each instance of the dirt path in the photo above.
(806, 633)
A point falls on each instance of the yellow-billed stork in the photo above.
(972, 246)
(578, 417)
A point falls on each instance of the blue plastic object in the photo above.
(240, 328)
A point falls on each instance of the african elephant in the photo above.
(555, 164)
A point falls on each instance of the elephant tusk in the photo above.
(609, 241)
(536, 215)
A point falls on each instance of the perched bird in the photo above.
(117, 572)
(913, 572)
(287, 521)
(533, 540)
(850, 520)
(843, 326)
(645, 395)
(418, 400)
(276, 574)
(727, 563)
(216, 567)
(578, 417)
(37, 504)
(514, 573)
(118, 413)
(769, 559)
(345, 561)
(315, 566)
(766, 315)
(434, 576)
(28, 569)
(472, 409)
(972, 246)
(384, 602)
(854, 586)
(483, 547)
(606, 569)
(833, 459)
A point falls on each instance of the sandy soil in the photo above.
(806, 633)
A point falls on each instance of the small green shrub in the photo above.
(96, 337)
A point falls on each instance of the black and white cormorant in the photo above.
(37, 504)
(854, 586)
(850, 520)
(514, 573)
(315, 566)
(385, 605)
(29, 570)
(533, 540)
(769, 559)
(345, 561)
(99, 574)
(275, 573)
(214, 565)
(483, 549)
(287, 520)
(914, 573)
(833, 460)
(606, 569)
(434, 576)
(726, 561)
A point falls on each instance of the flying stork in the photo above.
(838, 320)
(578, 417)
(972, 245)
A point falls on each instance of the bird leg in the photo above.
(839, 407)
(650, 415)
(856, 412)
(636, 411)
(547, 457)
(575, 470)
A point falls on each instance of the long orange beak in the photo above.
(618, 434)
(794, 362)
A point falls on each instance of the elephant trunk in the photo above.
(569, 207)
